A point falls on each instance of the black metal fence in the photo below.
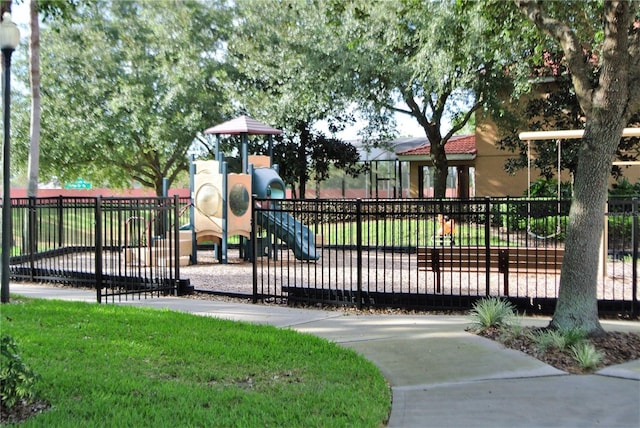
(413, 253)
(119, 246)
(432, 254)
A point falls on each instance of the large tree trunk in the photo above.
(577, 306)
(438, 155)
(441, 165)
(34, 63)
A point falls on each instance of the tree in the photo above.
(280, 53)
(429, 60)
(130, 87)
(302, 152)
(608, 101)
(50, 9)
(34, 74)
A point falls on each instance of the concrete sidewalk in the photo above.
(441, 376)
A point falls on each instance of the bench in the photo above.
(504, 260)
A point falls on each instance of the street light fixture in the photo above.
(9, 39)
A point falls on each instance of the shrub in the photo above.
(625, 188)
(620, 229)
(492, 312)
(548, 188)
(17, 381)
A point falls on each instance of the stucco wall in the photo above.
(491, 178)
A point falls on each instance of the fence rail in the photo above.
(433, 254)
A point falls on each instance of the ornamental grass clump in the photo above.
(574, 336)
(586, 355)
(546, 339)
(558, 339)
(492, 312)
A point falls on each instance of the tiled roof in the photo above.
(462, 144)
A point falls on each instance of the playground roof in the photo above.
(243, 125)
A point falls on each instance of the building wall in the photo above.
(491, 178)
(414, 176)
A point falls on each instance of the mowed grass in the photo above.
(119, 366)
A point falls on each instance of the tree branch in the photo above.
(430, 103)
(442, 103)
(464, 121)
(401, 110)
(574, 52)
(634, 67)
(416, 112)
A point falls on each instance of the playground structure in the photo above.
(221, 207)
(558, 136)
(222, 201)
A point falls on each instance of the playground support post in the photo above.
(245, 153)
(225, 213)
(192, 210)
(254, 253)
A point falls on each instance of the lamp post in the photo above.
(9, 39)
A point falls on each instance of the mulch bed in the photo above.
(616, 348)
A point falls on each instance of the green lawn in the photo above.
(399, 233)
(118, 366)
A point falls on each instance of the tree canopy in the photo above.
(282, 60)
(433, 61)
(127, 86)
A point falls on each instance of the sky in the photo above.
(20, 13)
(407, 126)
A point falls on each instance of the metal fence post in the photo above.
(254, 257)
(634, 257)
(359, 251)
(98, 241)
(487, 243)
(60, 221)
(176, 242)
(32, 239)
